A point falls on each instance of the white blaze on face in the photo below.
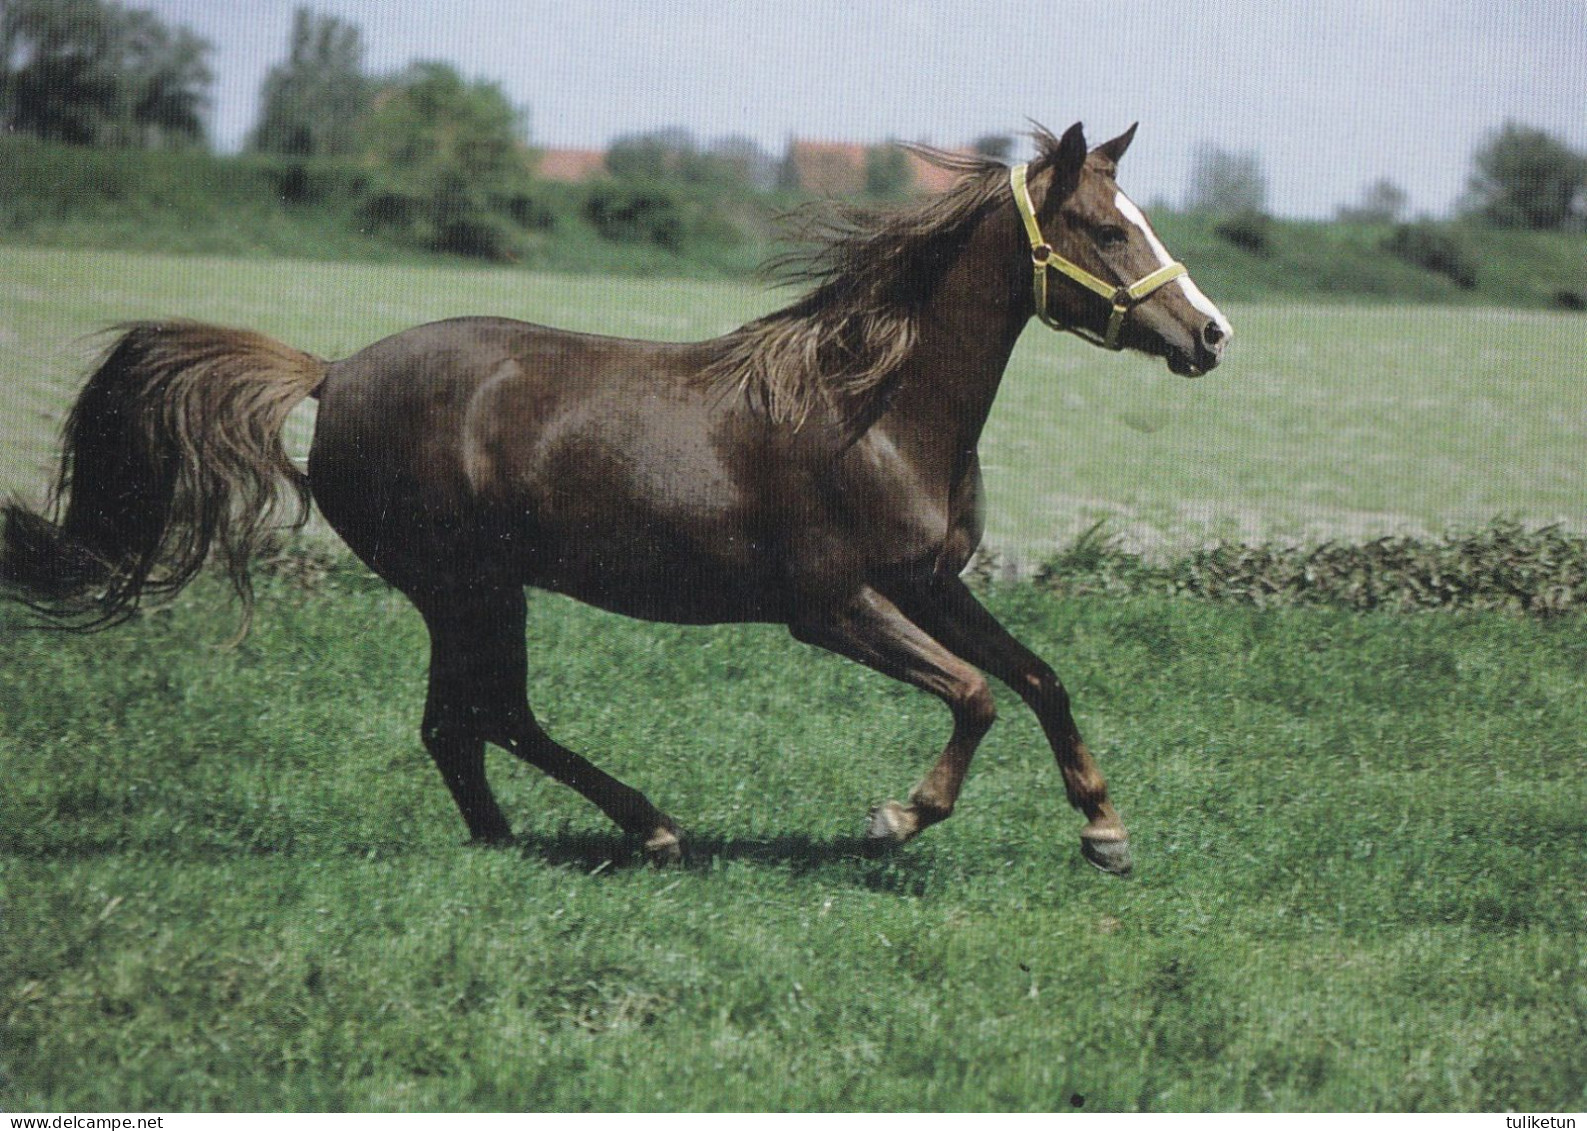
(1201, 302)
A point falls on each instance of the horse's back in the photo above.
(597, 466)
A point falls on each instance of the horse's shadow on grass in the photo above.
(845, 859)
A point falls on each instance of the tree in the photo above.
(91, 72)
(1524, 178)
(673, 154)
(744, 161)
(58, 73)
(314, 104)
(999, 147)
(457, 155)
(656, 155)
(887, 171)
(1382, 202)
(431, 120)
(1226, 184)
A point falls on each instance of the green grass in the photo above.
(170, 202)
(257, 207)
(232, 880)
(1325, 420)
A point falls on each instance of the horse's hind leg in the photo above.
(473, 671)
(478, 694)
(626, 806)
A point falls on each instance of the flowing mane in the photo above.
(871, 272)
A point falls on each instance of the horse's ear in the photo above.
(1113, 150)
(1067, 155)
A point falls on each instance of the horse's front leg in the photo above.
(870, 628)
(947, 609)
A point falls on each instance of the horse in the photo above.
(815, 468)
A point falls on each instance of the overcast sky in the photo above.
(1331, 94)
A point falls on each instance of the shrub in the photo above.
(313, 183)
(390, 209)
(529, 212)
(478, 235)
(1434, 248)
(1503, 566)
(629, 213)
(1250, 231)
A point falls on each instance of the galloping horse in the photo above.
(816, 468)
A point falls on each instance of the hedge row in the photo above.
(1503, 566)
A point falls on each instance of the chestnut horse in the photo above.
(815, 468)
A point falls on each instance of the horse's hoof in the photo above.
(891, 823)
(664, 846)
(1110, 856)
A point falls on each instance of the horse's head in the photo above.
(1099, 269)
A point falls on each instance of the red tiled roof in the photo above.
(827, 168)
(928, 177)
(570, 165)
(836, 168)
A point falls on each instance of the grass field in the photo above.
(1325, 420)
(231, 879)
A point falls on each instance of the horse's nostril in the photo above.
(1212, 334)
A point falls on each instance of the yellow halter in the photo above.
(1043, 258)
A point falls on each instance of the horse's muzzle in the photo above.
(1204, 356)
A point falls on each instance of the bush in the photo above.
(390, 210)
(1434, 248)
(529, 212)
(479, 235)
(629, 213)
(1249, 231)
(312, 183)
(1503, 567)
(452, 217)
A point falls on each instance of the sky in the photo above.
(1331, 95)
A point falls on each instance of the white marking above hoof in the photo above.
(665, 846)
(893, 822)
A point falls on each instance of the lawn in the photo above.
(1325, 421)
(230, 879)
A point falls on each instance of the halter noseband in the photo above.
(1123, 298)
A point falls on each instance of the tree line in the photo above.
(451, 158)
(88, 72)
(1520, 177)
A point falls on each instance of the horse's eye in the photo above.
(1111, 235)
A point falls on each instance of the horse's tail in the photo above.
(173, 449)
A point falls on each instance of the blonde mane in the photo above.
(871, 271)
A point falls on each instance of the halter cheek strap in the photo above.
(1044, 259)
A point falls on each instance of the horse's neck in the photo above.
(966, 336)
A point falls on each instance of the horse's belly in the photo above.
(656, 577)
